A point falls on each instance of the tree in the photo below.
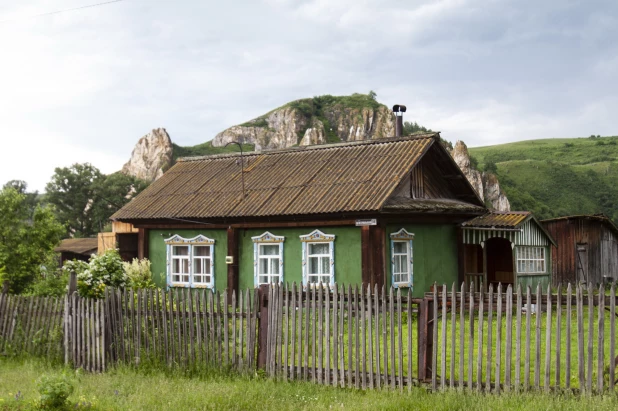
(26, 241)
(372, 95)
(411, 128)
(32, 199)
(85, 198)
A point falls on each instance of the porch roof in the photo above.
(519, 227)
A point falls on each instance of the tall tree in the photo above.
(113, 192)
(27, 240)
(71, 191)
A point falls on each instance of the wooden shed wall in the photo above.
(602, 246)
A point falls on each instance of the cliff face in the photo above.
(324, 119)
(485, 184)
(151, 156)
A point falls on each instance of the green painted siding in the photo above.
(157, 252)
(435, 254)
(347, 254)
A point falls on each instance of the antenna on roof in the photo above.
(242, 166)
(398, 110)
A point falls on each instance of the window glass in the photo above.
(531, 260)
(401, 262)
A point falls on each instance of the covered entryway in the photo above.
(499, 261)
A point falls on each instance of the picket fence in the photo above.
(366, 338)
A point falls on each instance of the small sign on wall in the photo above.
(371, 221)
(229, 259)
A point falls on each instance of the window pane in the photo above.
(269, 249)
(201, 251)
(313, 265)
(197, 266)
(400, 247)
(180, 250)
(325, 265)
(319, 248)
(263, 266)
(274, 266)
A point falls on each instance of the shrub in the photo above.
(54, 390)
(138, 273)
(52, 285)
(102, 271)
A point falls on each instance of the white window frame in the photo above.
(403, 236)
(201, 241)
(530, 254)
(266, 239)
(318, 237)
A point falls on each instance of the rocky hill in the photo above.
(317, 120)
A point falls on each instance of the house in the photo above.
(122, 237)
(382, 211)
(587, 249)
(76, 249)
(508, 248)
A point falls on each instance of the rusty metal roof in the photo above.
(85, 246)
(345, 177)
(497, 219)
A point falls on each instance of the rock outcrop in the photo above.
(151, 156)
(305, 122)
(485, 184)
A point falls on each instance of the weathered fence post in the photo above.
(69, 319)
(262, 325)
(425, 338)
(5, 287)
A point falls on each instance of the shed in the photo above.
(508, 248)
(76, 249)
(587, 249)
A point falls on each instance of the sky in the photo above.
(84, 85)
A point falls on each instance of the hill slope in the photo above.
(556, 177)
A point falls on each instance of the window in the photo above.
(190, 262)
(401, 258)
(318, 259)
(531, 259)
(268, 259)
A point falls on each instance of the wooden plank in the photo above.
(138, 328)
(590, 336)
(295, 310)
(226, 329)
(178, 327)
(580, 337)
(376, 303)
(212, 329)
(306, 335)
(363, 338)
(357, 354)
(241, 310)
(335, 335)
(286, 331)
(612, 337)
(490, 313)
(400, 340)
(537, 359)
(164, 328)
(341, 342)
(220, 330)
(558, 334)
(443, 341)
(462, 304)
(471, 337)
(191, 317)
(320, 340)
(601, 340)
(453, 338)
(434, 355)
(146, 310)
(350, 336)
(198, 325)
(234, 353)
(528, 348)
(499, 339)
(508, 355)
(384, 336)
(392, 336)
(548, 331)
(479, 356)
(313, 333)
(369, 310)
(567, 365)
(327, 302)
(186, 338)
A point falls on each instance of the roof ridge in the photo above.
(416, 136)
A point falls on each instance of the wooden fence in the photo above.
(501, 340)
(31, 325)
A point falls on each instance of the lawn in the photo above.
(152, 389)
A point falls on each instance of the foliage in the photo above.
(27, 239)
(84, 198)
(411, 128)
(103, 270)
(54, 390)
(207, 149)
(138, 273)
(556, 177)
(53, 284)
(490, 167)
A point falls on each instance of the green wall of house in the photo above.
(434, 254)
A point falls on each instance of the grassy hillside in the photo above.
(555, 177)
(206, 149)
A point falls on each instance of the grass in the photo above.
(207, 149)
(556, 177)
(152, 389)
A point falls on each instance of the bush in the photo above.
(52, 285)
(54, 390)
(138, 273)
(102, 271)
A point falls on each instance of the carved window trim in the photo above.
(317, 237)
(179, 241)
(403, 236)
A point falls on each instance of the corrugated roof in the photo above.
(496, 219)
(430, 205)
(85, 246)
(346, 177)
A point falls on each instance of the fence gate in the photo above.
(84, 333)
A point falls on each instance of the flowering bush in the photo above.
(139, 274)
(54, 390)
(101, 271)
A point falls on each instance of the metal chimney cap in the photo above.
(399, 108)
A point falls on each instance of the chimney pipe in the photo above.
(398, 110)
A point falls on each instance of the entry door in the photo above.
(582, 262)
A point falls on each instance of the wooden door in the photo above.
(582, 262)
